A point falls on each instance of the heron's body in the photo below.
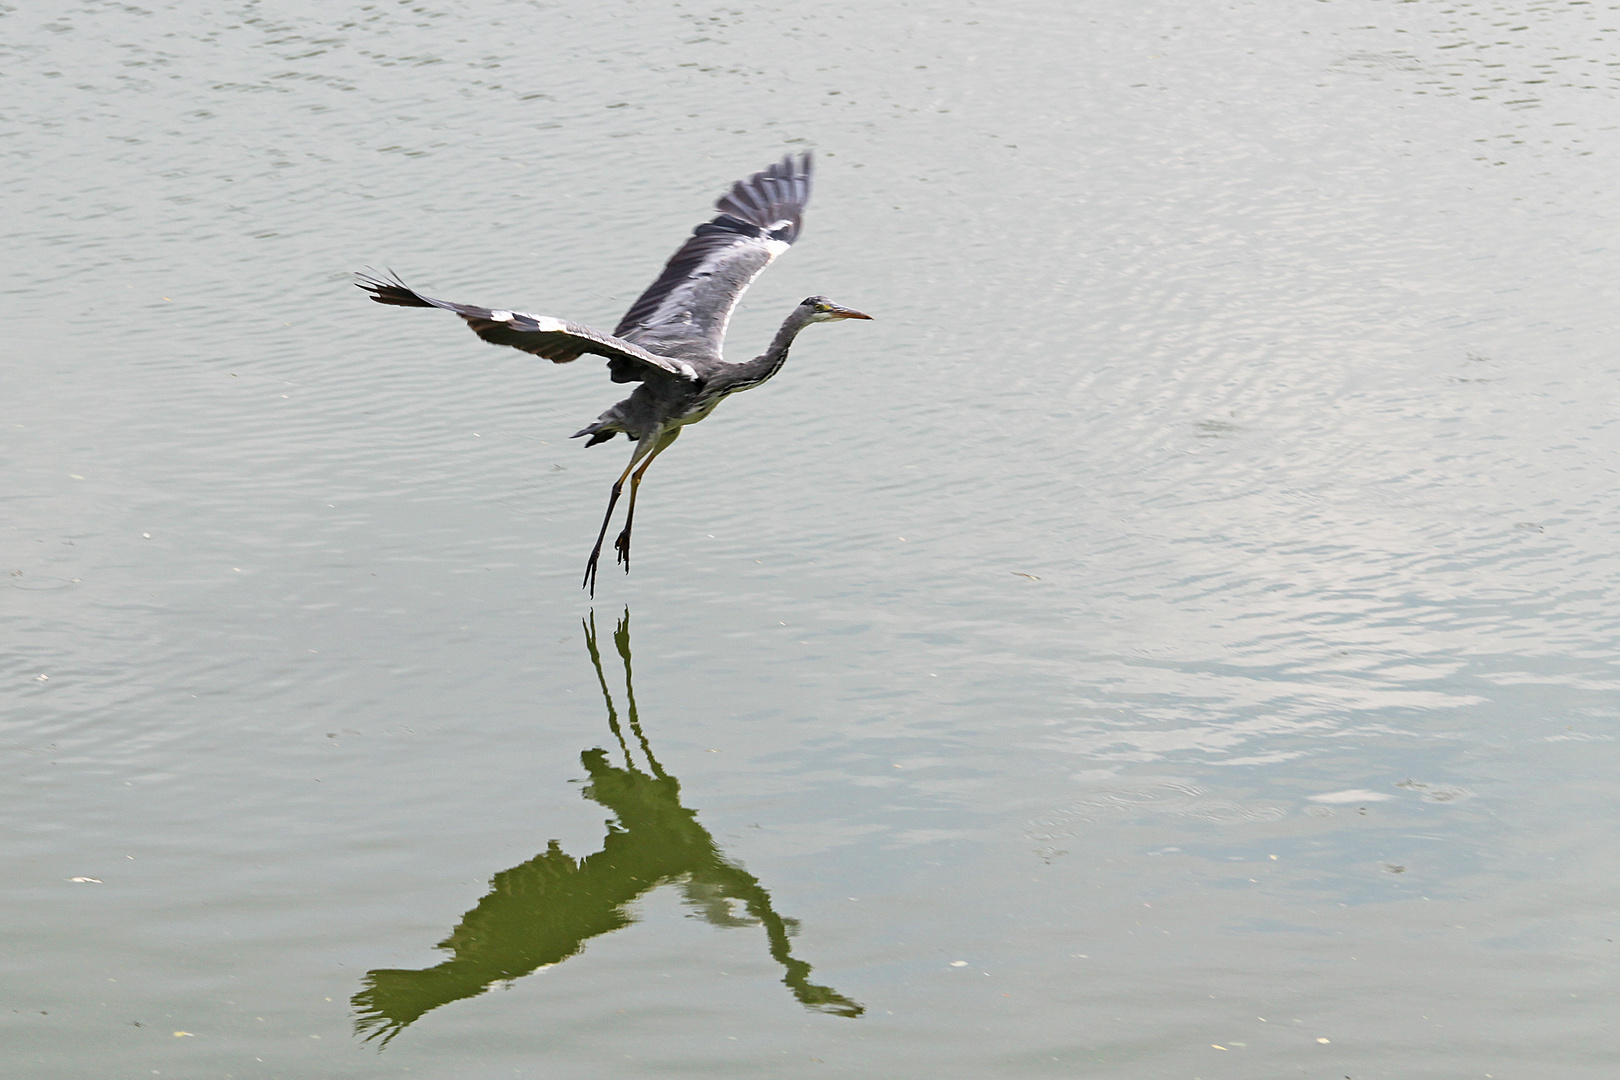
(670, 339)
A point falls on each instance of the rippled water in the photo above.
(1177, 639)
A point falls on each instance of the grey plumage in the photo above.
(670, 340)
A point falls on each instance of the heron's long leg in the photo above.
(643, 448)
(622, 544)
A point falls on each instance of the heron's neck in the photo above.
(768, 363)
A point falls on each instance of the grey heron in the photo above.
(670, 340)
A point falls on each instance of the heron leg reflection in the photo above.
(622, 544)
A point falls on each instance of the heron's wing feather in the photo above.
(555, 339)
(692, 300)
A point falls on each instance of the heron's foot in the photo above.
(621, 547)
(589, 583)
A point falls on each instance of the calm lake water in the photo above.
(1179, 638)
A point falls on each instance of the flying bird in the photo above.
(670, 339)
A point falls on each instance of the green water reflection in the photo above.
(543, 911)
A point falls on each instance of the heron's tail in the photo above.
(394, 292)
(599, 432)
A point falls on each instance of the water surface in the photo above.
(1177, 638)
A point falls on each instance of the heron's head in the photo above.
(822, 309)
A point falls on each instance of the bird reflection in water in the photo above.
(543, 911)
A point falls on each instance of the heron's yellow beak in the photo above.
(848, 313)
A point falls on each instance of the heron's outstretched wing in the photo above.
(691, 302)
(555, 339)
